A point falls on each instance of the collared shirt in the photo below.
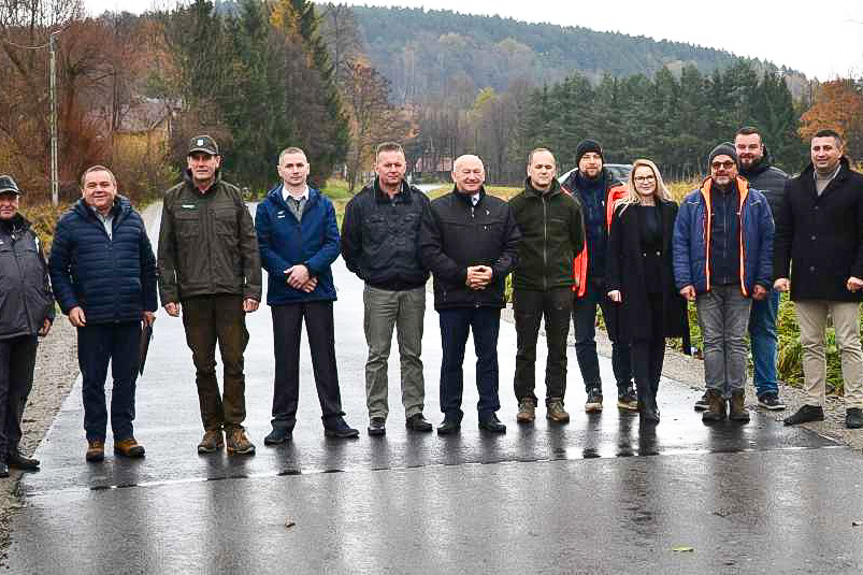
(107, 221)
(296, 203)
(474, 199)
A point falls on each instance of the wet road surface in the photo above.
(599, 495)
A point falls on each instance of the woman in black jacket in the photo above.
(641, 280)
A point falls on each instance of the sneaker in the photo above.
(278, 435)
(238, 443)
(627, 400)
(95, 451)
(715, 407)
(526, 410)
(703, 403)
(594, 400)
(212, 441)
(337, 427)
(771, 401)
(555, 411)
(737, 411)
(804, 414)
(128, 448)
(854, 418)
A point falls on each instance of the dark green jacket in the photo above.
(552, 234)
(207, 244)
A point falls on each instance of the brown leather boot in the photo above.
(738, 407)
(95, 451)
(526, 410)
(128, 448)
(715, 407)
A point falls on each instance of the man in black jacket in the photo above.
(820, 231)
(26, 313)
(380, 243)
(756, 166)
(469, 241)
(552, 234)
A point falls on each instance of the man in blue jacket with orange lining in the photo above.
(299, 240)
(723, 246)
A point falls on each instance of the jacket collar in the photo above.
(571, 183)
(466, 197)
(531, 191)
(277, 197)
(190, 183)
(381, 197)
(121, 208)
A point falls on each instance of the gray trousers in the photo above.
(812, 317)
(404, 310)
(723, 316)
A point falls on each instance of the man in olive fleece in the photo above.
(552, 234)
(209, 263)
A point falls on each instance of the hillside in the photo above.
(429, 54)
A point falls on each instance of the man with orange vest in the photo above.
(723, 246)
(597, 191)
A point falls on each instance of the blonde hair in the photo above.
(632, 196)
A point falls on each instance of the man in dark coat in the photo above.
(723, 238)
(469, 241)
(819, 237)
(104, 277)
(299, 240)
(380, 243)
(26, 313)
(552, 234)
(597, 191)
(210, 269)
(757, 167)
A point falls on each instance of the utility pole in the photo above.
(52, 82)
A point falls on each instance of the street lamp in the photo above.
(52, 83)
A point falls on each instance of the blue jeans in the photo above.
(455, 324)
(762, 338)
(97, 345)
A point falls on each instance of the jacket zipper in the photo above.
(544, 244)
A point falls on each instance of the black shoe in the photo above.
(449, 427)
(4, 469)
(492, 424)
(648, 416)
(771, 401)
(804, 414)
(278, 435)
(854, 418)
(377, 426)
(703, 403)
(22, 462)
(417, 422)
(337, 427)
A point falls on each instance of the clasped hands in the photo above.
(478, 277)
(298, 277)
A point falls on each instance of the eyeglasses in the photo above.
(727, 164)
(640, 179)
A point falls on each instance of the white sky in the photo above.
(822, 39)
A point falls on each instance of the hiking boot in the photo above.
(278, 435)
(555, 411)
(738, 407)
(238, 443)
(128, 448)
(702, 403)
(805, 414)
(854, 418)
(771, 401)
(594, 400)
(715, 407)
(526, 410)
(20, 461)
(95, 451)
(211, 442)
(626, 399)
(417, 422)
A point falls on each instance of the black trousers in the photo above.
(17, 360)
(530, 307)
(320, 328)
(649, 355)
(584, 320)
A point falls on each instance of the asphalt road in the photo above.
(599, 495)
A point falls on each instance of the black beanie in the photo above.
(723, 149)
(586, 146)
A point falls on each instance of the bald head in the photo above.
(468, 174)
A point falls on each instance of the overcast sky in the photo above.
(822, 39)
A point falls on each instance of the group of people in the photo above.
(748, 233)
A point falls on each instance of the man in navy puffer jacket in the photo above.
(104, 276)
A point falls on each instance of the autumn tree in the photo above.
(839, 106)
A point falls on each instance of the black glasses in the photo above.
(644, 178)
(727, 164)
